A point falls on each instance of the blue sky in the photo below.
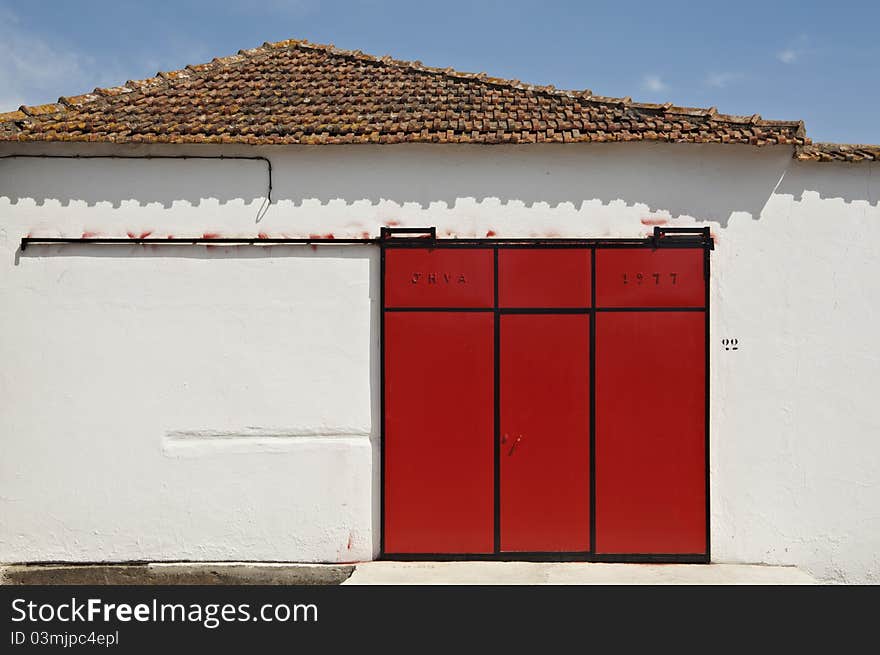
(816, 61)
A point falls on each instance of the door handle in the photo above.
(513, 445)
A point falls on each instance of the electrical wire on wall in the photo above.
(264, 207)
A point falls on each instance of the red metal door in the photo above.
(650, 385)
(461, 348)
(544, 442)
(439, 402)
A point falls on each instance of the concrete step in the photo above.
(397, 573)
(532, 573)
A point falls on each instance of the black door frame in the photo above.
(662, 237)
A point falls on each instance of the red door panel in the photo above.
(544, 278)
(650, 433)
(544, 450)
(666, 277)
(439, 277)
(439, 432)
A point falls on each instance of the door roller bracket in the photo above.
(702, 233)
(428, 233)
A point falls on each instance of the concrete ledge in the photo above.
(188, 573)
(578, 573)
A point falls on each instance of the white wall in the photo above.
(222, 403)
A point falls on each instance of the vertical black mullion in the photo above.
(382, 401)
(706, 337)
(593, 400)
(497, 432)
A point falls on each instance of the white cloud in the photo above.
(654, 83)
(36, 71)
(795, 49)
(788, 56)
(722, 79)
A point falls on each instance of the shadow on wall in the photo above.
(144, 181)
(702, 181)
(847, 182)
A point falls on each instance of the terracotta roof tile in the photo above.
(295, 92)
(838, 152)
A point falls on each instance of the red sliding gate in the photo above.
(545, 398)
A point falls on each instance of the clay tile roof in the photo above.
(838, 152)
(296, 92)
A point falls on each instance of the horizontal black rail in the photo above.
(195, 241)
(685, 240)
(542, 310)
(556, 242)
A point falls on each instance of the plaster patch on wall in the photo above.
(197, 443)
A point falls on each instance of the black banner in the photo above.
(134, 619)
